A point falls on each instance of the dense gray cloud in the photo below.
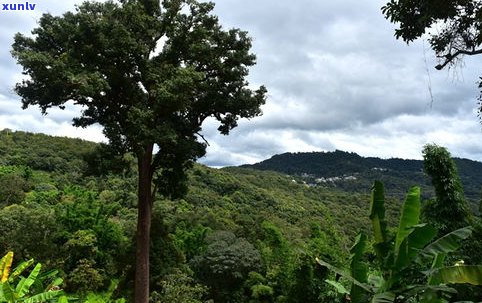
(336, 76)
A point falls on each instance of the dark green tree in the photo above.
(150, 73)
(225, 265)
(12, 189)
(449, 210)
(17, 234)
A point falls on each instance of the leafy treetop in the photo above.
(149, 74)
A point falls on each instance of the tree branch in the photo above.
(153, 193)
(204, 139)
(449, 57)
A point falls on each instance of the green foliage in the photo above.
(14, 287)
(104, 160)
(12, 189)
(226, 263)
(410, 244)
(179, 287)
(316, 168)
(307, 282)
(261, 292)
(277, 257)
(43, 152)
(166, 255)
(142, 98)
(191, 242)
(449, 211)
(85, 277)
(86, 228)
(94, 245)
(43, 194)
(87, 225)
(18, 235)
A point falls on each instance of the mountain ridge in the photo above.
(352, 172)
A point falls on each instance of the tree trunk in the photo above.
(144, 208)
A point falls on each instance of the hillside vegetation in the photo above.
(354, 173)
(240, 234)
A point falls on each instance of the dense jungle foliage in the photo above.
(240, 235)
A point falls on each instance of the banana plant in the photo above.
(412, 244)
(14, 287)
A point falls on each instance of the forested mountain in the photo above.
(351, 172)
(239, 235)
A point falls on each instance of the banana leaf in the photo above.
(344, 275)
(420, 235)
(379, 224)
(8, 292)
(358, 268)
(410, 217)
(63, 299)
(471, 274)
(5, 265)
(24, 285)
(386, 297)
(338, 286)
(414, 290)
(19, 269)
(44, 297)
(448, 243)
(438, 262)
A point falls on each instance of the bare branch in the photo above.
(153, 194)
(450, 57)
(204, 139)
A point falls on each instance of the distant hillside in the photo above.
(250, 193)
(43, 152)
(351, 172)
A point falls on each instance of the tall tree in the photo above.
(449, 210)
(150, 73)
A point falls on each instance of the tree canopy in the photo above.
(458, 24)
(148, 76)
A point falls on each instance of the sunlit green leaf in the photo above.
(471, 274)
(338, 286)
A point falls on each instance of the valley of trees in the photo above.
(239, 235)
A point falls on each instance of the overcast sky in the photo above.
(336, 79)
